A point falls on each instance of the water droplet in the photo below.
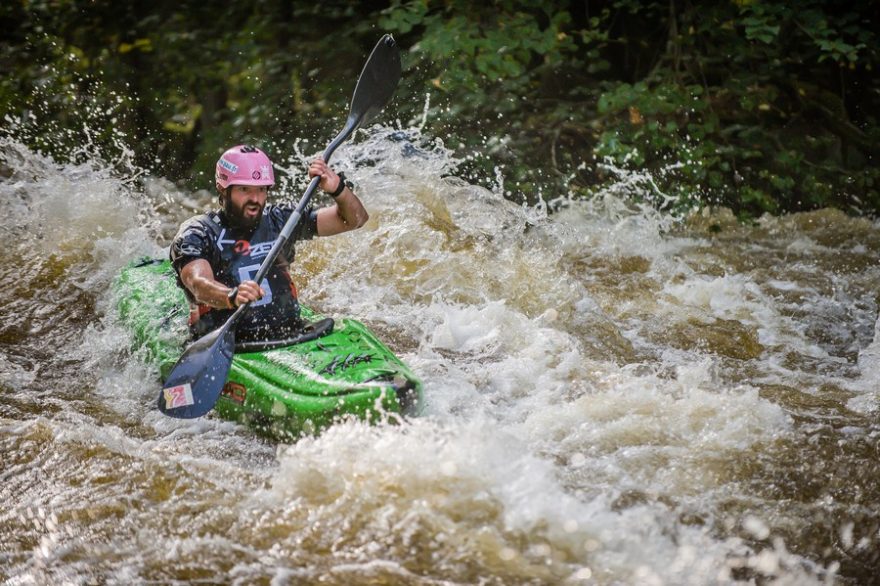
(583, 574)
(756, 527)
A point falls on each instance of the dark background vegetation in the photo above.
(761, 106)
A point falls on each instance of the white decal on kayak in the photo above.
(179, 396)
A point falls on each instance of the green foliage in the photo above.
(759, 105)
(177, 81)
(750, 133)
(498, 70)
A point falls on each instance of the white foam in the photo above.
(564, 437)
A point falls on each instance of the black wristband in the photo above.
(339, 188)
(231, 297)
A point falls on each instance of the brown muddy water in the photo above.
(614, 396)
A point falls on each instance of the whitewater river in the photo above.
(613, 396)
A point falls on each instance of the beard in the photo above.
(236, 215)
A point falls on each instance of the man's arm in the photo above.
(198, 277)
(347, 214)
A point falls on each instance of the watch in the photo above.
(341, 187)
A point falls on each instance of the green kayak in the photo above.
(285, 388)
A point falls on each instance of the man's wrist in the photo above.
(339, 188)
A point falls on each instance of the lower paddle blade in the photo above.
(195, 384)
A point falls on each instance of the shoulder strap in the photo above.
(211, 221)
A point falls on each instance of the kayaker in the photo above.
(216, 255)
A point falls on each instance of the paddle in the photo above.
(196, 381)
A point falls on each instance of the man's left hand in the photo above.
(329, 179)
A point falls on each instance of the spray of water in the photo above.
(613, 393)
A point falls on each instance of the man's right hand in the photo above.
(248, 291)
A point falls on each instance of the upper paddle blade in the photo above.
(377, 81)
(195, 383)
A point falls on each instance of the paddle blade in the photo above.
(195, 383)
(377, 81)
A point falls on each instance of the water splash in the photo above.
(615, 395)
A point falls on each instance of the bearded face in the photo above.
(243, 205)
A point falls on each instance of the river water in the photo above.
(614, 396)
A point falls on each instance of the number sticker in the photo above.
(247, 274)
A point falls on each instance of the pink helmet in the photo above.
(244, 165)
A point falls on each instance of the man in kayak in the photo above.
(216, 255)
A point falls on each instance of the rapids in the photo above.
(614, 396)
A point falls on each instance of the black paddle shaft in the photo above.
(196, 381)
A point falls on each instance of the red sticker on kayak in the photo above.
(235, 392)
(179, 396)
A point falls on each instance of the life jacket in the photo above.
(237, 258)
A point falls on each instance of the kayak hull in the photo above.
(282, 390)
